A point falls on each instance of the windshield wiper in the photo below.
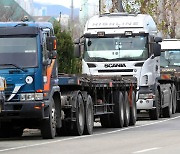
(14, 66)
(173, 65)
(127, 59)
(98, 59)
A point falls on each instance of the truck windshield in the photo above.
(132, 48)
(18, 51)
(170, 58)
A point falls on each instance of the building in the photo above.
(10, 10)
(27, 5)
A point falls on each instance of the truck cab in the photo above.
(170, 70)
(28, 64)
(127, 45)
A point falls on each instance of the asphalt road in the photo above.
(147, 137)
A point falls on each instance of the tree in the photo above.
(163, 12)
(67, 62)
(117, 6)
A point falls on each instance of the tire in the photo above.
(174, 99)
(126, 110)
(89, 116)
(78, 126)
(48, 126)
(167, 111)
(154, 114)
(117, 118)
(133, 110)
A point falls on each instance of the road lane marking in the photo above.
(86, 136)
(147, 150)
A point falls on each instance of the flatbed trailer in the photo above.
(87, 98)
(35, 96)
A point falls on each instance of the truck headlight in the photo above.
(2, 84)
(22, 97)
(31, 96)
(38, 96)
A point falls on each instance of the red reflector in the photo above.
(78, 82)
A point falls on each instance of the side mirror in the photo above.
(77, 51)
(51, 43)
(156, 49)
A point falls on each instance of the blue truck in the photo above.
(36, 96)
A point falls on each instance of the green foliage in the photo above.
(65, 49)
(162, 11)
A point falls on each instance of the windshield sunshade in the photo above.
(116, 49)
(18, 51)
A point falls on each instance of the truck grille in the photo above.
(8, 91)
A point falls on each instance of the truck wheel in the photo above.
(78, 127)
(167, 111)
(133, 110)
(48, 127)
(89, 116)
(154, 114)
(174, 99)
(117, 118)
(126, 110)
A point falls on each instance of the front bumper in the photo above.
(22, 110)
(144, 104)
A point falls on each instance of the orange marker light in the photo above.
(37, 107)
(39, 91)
(55, 44)
(165, 76)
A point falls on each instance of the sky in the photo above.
(66, 3)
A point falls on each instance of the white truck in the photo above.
(170, 75)
(126, 45)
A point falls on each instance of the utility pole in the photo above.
(60, 18)
(72, 17)
(99, 7)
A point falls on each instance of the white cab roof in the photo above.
(118, 23)
(170, 44)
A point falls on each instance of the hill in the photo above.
(54, 10)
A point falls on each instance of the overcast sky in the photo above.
(66, 3)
